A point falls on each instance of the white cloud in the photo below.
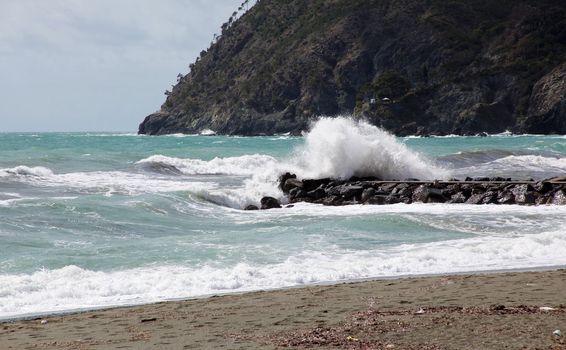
(97, 48)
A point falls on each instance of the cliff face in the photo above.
(411, 66)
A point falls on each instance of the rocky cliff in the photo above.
(411, 66)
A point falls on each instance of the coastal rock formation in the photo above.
(412, 67)
(470, 191)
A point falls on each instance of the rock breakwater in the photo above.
(469, 191)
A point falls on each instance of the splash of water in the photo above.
(343, 147)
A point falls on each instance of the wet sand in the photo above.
(484, 311)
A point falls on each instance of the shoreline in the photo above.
(277, 318)
(47, 314)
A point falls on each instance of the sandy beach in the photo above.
(511, 310)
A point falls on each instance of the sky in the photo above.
(97, 65)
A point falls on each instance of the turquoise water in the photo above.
(98, 219)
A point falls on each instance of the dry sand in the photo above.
(489, 311)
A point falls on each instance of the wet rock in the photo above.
(543, 199)
(297, 192)
(458, 198)
(377, 200)
(283, 178)
(392, 200)
(251, 207)
(543, 187)
(291, 184)
(523, 194)
(559, 198)
(332, 200)
(367, 194)
(421, 194)
(426, 194)
(317, 194)
(269, 203)
(506, 197)
(489, 197)
(313, 184)
(475, 198)
(347, 191)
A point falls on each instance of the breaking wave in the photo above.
(342, 147)
(72, 287)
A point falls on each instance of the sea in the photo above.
(101, 219)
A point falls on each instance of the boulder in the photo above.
(283, 179)
(291, 184)
(346, 191)
(426, 194)
(559, 198)
(367, 194)
(376, 200)
(316, 194)
(297, 192)
(458, 198)
(506, 197)
(313, 184)
(420, 194)
(523, 194)
(269, 203)
(475, 198)
(332, 200)
(251, 207)
(543, 187)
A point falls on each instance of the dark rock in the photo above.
(317, 194)
(367, 193)
(346, 191)
(543, 187)
(283, 178)
(392, 200)
(421, 194)
(289, 206)
(475, 198)
(291, 184)
(376, 200)
(481, 179)
(559, 198)
(489, 197)
(312, 184)
(251, 207)
(269, 203)
(506, 197)
(458, 198)
(523, 194)
(332, 200)
(297, 192)
(426, 194)
(543, 199)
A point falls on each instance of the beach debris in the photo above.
(43, 322)
(389, 346)
(148, 319)
(350, 338)
(420, 311)
(557, 333)
(546, 308)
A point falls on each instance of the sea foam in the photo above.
(73, 287)
(343, 147)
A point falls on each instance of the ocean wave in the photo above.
(26, 171)
(73, 287)
(246, 165)
(518, 167)
(342, 147)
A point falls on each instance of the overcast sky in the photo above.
(97, 65)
